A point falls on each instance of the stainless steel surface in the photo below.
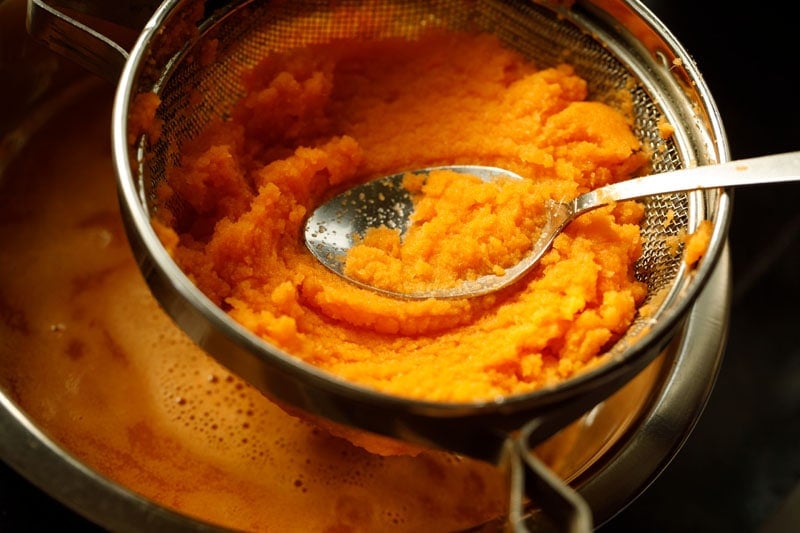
(245, 31)
(339, 224)
(96, 35)
(444, 425)
(732, 470)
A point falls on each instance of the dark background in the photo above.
(740, 468)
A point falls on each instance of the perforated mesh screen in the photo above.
(246, 33)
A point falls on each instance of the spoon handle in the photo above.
(758, 170)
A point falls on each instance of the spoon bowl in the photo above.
(340, 223)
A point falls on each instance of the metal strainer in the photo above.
(613, 44)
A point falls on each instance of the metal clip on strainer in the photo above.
(613, 44)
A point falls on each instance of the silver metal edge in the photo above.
(639, 457)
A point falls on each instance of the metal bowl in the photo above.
(610, 455)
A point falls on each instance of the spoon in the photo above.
(336, 226)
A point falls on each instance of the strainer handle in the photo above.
(94, 34)
(562, 509)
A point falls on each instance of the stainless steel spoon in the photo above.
(334, 227)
